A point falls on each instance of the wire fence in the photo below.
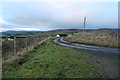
(12, 46)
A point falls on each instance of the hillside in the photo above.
(54, 32)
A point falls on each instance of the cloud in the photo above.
(19, 29)
(58, 15)
(59, 0)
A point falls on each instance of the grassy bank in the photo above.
(53, 61)
(99, 39)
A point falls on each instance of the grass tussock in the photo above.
(53, 61)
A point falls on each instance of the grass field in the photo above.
(2, 38)
(93, 38)
(53, 61)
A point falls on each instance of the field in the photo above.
(2, 39)
(96, 38)
(52, 61)
(8, 45)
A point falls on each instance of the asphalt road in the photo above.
(98, 51)
(109, 66)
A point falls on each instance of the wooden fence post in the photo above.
(26, 43)
(14, 45)
(36, 39)
(6, 38)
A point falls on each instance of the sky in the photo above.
(52, 15)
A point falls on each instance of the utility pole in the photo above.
(84, 24)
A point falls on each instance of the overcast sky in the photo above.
(57, 15)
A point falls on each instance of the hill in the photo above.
(54, 32)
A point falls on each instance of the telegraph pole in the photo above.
(84, 24)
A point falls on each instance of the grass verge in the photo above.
(53, 61)
(105, 40)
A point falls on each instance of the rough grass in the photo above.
(8, 46)
(53, 61)
(2, 38)
(100, 39)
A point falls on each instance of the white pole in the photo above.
(84, 24)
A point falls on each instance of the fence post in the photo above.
(6, 38)
(14, 45)
(36, 39)
(26, 43)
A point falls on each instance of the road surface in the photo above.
(111, 53)
(109, 66)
